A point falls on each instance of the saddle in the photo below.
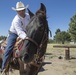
(17, 47)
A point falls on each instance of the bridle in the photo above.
(31, 40)
(39, 46)
(43, 38)
(36, 61)
(42, 41)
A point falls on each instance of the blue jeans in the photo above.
(10, 45)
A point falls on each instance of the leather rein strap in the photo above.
(43, 40)
(27, 38)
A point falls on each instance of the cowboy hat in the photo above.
(20, 6)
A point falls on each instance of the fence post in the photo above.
(67, 53)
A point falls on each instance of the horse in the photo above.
(32, 53)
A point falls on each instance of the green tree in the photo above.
(62, 37)
(72, 28)
(3, 37)
(57, 34)
(57, 31)
(65, 36)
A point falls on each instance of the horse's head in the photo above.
(37, 31)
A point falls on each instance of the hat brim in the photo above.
(19, 9)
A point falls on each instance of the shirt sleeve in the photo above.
(19, 29)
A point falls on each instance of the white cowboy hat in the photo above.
(20, 6)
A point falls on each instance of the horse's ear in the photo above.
(43, 8)
(30, 13)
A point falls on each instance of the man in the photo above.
(17, 29)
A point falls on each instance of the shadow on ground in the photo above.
(44, 63)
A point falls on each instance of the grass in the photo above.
(60, 51)
(50, 47)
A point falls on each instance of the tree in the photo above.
(65, 36)
(57, 31)
(3, 37)
(72, 28)
(57, 34)
(62, 37)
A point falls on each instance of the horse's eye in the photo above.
(41, 23)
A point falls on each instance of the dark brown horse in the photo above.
(37, 36)
(35, 44)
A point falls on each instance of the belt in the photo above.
(9, 32)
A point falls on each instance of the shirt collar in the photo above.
(21, 17)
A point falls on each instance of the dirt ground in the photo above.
(55, 66)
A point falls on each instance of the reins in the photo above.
(37, 60)
(44, 39)
(27, 38)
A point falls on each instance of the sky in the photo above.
(59, 13)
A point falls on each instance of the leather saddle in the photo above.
(17, 47)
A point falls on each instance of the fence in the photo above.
(67, 50)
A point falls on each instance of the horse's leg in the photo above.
(21, 69)
(38, 69)
(31, 69)
(5, 72)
